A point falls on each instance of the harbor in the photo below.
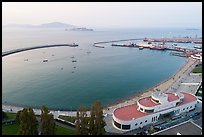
(161, 44)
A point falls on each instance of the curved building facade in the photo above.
(148, 110)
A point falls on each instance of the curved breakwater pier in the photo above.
(103, 42)
(36, 47)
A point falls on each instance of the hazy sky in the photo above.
(105, 14)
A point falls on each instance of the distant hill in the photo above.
(46, 25)
(66, 27)
(56, 25)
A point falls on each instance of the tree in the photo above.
(17, 119)
(97, 123)
(28, 122)
(82, 121)
(78, 124)
(4, 116)
(93, 125)
(47, 123)
(92, 129)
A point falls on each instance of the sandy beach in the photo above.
(163, 86)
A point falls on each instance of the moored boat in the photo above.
(158, 48)
(45, 60)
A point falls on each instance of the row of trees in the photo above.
(28, 124)
(93, 125)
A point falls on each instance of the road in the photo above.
(60, 124)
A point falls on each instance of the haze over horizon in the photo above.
(105, 14)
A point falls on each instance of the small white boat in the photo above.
(198, 47)
(45, 60)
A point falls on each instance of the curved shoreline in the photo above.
(163, 86)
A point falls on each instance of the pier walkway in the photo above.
(176, 40)
(102, 42)
(35, 47)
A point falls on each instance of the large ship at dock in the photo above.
(125, 45)
(158, 48)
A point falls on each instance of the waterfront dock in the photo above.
(182, 51)
(36, 47)
(175, 40)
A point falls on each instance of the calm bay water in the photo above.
(105, 74)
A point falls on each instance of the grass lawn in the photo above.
(10, 129)
(197, 70)
(11, 115)
(68, 118)
(199, 93)
(63, 131)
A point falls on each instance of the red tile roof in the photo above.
(128, 112)
(147, 102)
(187, 98)
(172, 97)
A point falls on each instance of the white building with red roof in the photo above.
(150, 109)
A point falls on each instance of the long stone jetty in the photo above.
(36, 47)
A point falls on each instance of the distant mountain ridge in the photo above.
(57, 25)
(46, 25)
